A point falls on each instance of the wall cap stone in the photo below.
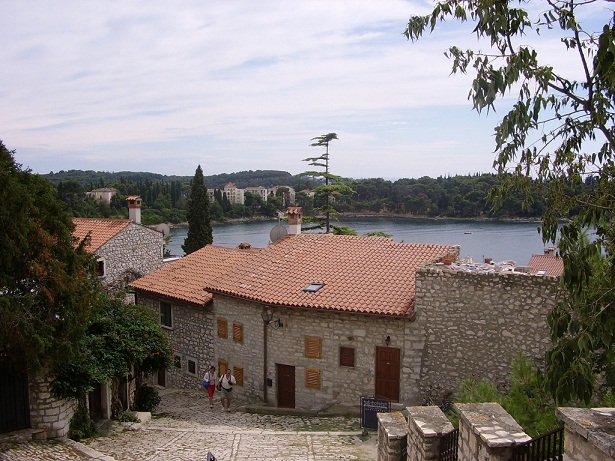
(596, 425)
(430, 420)
(394, 424)
(490, 422)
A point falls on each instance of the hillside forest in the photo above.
(165, 197)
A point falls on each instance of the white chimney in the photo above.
(134, 208)
(550, 251)
(295, 214)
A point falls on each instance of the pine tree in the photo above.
(199, 220)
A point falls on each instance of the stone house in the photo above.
(125, 249)
(316, 320)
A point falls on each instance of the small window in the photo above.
(222, 328)
(346, 356)
(166, 315)
(312, 347)
(177, 361)
(313, 287)
(238, 332)
(191, 367)
(238, 374)
(312, 378)
(100, 267)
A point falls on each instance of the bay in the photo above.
(499, 240)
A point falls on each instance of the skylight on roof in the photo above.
(313, 287)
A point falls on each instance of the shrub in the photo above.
(81, 425)
(146, 398)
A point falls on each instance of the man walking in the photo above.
(225, 385)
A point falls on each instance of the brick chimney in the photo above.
(295, 214)
(134, 208)
(550, 251)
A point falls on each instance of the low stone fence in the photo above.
(488, 433)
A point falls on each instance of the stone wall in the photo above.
(47, 412)
(133, 253)
(392, 436)
(191, 338)
(477, 323)
(339, 385)
(426, 426)
(589, 433)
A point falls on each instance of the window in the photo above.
(100, 267)
(312, 347)
(191, 367)
(313, 287)
(237, 332)
(166, 315)
(346, 356)
(177, 361)
(222, 328)
(238, 374)
(312, 378)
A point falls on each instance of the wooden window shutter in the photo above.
(222, 328)
(346, 356)
(237, 332)
(238, 374)
(312, 378)
(312, 347)
(222, 366)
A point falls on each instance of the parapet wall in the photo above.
(477, 323)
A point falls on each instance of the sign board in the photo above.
(370, 406)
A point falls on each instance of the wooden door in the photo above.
(162, 377)
(387, 373)
(14, 398)
(95, 403)
(286, 385)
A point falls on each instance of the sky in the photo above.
(163, 86)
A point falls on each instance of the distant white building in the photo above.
(259, 191)
(104, 194)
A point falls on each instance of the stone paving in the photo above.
(185, 428)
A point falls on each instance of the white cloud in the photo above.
(236, 85)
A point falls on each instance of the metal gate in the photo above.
(14, 402)
(448, 446)
(547, 447)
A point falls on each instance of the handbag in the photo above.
(220, 385)
(205, 384)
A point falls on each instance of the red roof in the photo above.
(550, 264)
(100, 230)
(371, 275)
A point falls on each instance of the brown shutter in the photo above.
(222, 328)
(312, 347)
(222, 366)
(312, 378)
(238, 332)
(238, 374)
(346, 356)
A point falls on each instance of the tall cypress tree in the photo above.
(199, 219)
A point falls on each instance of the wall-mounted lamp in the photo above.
(267, 316)
(387, 340)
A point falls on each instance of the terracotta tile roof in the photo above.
(372, 275)
(551, 264)
(100, 230)
(185, 278)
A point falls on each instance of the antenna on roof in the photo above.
(277, 233)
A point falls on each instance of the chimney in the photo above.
(294, 214)
(550, 251)
(134, 208)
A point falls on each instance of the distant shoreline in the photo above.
(372, 215)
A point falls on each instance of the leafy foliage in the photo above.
(47, 283)
(560, 132)
(146, 398)
(81, 425)
(199, 221)
(527, 401)
(119, 338)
